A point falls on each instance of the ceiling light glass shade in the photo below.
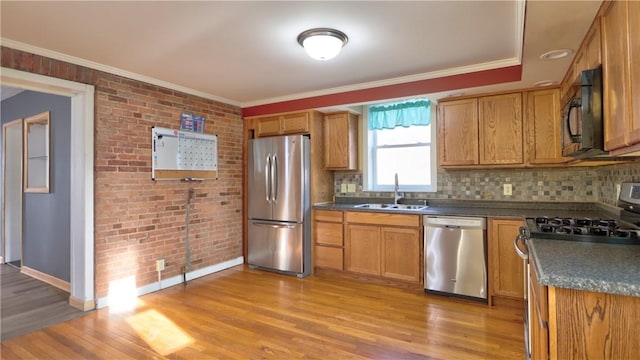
(322, 44)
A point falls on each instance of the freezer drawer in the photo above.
(276, 245)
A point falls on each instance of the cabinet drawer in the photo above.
(328, 216)
(328, 234)
(328, 257)
(382, 218)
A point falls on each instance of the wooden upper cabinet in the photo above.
(458, 132)
(634, 62)
(615, 62)
(544, 127)
(268, 126)
(592, 47)
(293, 123)
(296, 123)
(501, 129)
(341, 141)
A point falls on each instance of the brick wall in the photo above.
(138, 220)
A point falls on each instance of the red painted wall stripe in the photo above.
(428, 86)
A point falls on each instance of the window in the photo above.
(400, 142)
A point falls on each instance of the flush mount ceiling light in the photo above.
(322, 43)
(556, 54)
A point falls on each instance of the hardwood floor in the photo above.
(28, 304)
(242, 313)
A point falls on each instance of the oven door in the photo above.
(520, 246)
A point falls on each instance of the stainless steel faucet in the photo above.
(396, 195)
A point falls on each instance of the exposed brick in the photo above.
(139, 220)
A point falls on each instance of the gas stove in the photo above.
(604, 230)
(582, 229)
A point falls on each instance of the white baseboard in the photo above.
(172, 281)
(49, 279)
(1, 260)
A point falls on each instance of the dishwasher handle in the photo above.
(455, 222)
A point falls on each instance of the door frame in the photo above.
(19, 123)
(82, 174)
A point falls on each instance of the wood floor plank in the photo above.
(28, 304)
(242, 313)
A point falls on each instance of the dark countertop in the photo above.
(505, 209)
(606, 268)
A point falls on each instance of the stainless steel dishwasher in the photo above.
(455, 256)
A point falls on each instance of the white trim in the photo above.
(393, 81)
(82, 159)
(176, 280)
(17, 45)
(516, 60)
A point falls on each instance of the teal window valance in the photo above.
(405, 114)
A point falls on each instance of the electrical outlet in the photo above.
(159, 264)
(351, 188)
(343, 188)
(506, 189)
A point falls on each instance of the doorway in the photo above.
(81, 175)
(12, 193)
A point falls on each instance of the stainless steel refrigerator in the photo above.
(279, 220)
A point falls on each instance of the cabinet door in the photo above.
(615, 38)
(500, 122)
(268, 126)
(458, 132)
(544, 127)
(363, 249)
(634, 61)
(592, 47)
(506, 267)
(401, 253)
(297, 123)
(340, 141)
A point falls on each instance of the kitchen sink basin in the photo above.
(392, 206)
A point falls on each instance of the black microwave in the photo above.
(582, 125)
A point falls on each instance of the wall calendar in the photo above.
(183, 155)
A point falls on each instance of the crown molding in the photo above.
(17, 45)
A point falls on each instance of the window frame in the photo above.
(369, 167)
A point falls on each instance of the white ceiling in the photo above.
(245, 52)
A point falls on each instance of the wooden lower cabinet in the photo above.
(363, 249)
(590, 325)
(506, 268)
(401, 253)
(328, 243)
(577, 324)
(392, 252)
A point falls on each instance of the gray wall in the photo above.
(46, 243)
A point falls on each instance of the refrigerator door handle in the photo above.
(274, 178)
(267, 173)
(270, 224)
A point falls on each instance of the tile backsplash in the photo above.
(584, 184)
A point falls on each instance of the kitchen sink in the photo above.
(392, 206)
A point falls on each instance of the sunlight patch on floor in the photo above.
(123, 295)
(160, 333)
